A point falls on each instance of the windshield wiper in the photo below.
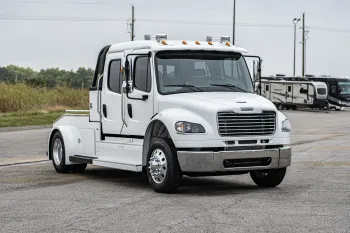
(184, 85)
(231, 86)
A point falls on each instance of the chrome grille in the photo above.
(232, 124)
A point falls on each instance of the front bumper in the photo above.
(226, 161)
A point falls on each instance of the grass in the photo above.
(29, 118)
(20, 97)
(21, 105)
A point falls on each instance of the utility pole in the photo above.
(303, 44)
(234, 22)
(132, 23)
(306, 38)
(295, 22)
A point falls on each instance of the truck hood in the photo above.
(217, 101)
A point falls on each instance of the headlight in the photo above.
(286, 126)
(188, 127)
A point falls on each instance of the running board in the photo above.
(81, 159)
(120, 166)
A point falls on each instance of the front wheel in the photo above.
(163, 170)
(268, 178)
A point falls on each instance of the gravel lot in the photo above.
(314, 197)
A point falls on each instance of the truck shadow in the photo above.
(189, 185)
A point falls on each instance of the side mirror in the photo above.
(127, 69)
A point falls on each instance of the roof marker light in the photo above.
(228, 43)
(184, 42)
(197, 42)
(210, 43)
(164, 42)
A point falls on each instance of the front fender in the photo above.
(170, 116)
(70, 137)
(279, 134)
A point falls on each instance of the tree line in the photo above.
(50, 78)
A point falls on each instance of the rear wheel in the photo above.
(268, 178)
(163, 171)
(58, 154)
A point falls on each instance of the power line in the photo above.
(331, 29)
(114, 3)
(150, 20)
(41, 18)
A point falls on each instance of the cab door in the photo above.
(139, 102)
(111, 118)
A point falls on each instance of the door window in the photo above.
(289, 88)
(142, 75)
(114, 76)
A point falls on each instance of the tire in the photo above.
(268, 178)
(162, 156)
(78, 168)
(58, 154)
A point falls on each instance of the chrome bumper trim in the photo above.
(209, 161)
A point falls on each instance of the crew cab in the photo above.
(173, 108)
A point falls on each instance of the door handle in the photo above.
(130, 110)
(104, 110)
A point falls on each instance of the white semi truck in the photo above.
(173, 108)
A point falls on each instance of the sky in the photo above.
(70, 33)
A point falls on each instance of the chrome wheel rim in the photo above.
(158, 166)
(57, 151)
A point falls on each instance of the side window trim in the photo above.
(109, 75)
(148, 71)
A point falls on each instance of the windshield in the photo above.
(201, 71)
(344, 88)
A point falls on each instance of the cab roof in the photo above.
(175, 45)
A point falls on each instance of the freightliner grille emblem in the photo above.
(247, 109)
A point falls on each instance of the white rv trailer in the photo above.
(295, 94)
(173, 108)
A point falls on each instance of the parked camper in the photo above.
(174, 108)
(295, 94)
(338, 91)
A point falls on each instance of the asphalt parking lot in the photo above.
(314, 197)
